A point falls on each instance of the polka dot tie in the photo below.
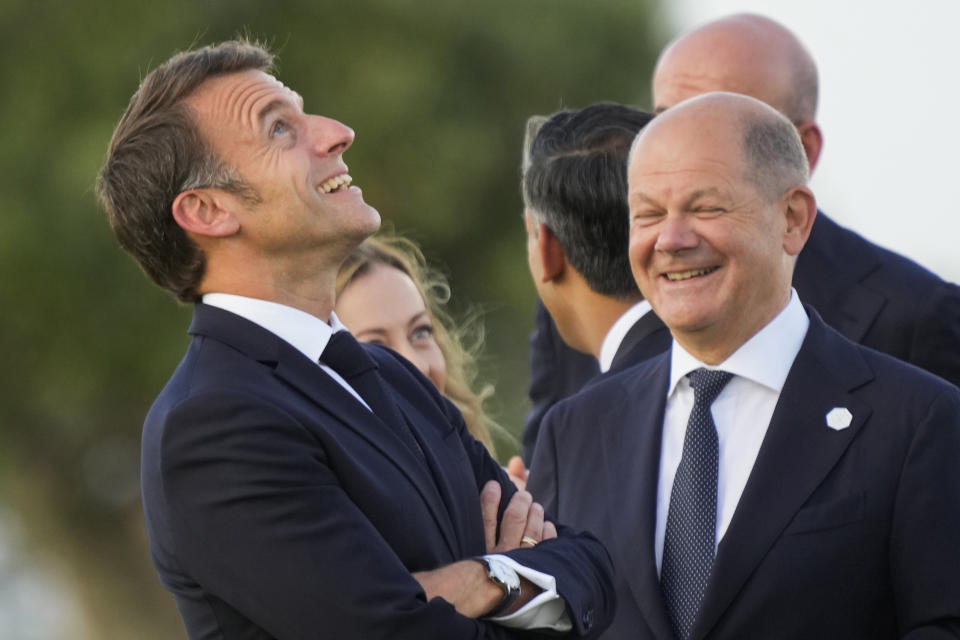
(688, 547)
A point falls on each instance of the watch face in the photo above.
(502, 572)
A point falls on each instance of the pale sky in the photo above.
(888, 111)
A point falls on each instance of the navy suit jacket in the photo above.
(880, 299)
(277, 506)
(839, 534)
(571, 370)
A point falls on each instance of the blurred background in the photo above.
(438, 92)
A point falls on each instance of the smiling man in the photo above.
(297, 484)
(766, 477)
(871, 295)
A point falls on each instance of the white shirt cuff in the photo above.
(546, 611)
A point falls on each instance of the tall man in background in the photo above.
(296, 484)
(766, 477)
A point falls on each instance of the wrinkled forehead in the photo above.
(241, 100)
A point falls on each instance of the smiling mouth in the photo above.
(336, 183)
(677, 276)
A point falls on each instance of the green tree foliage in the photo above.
(438, 92)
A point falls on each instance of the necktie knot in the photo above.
(707, 384)
(344, 355)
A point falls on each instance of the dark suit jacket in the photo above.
(556, 371)
(570, 370)
(646, 338)
(880, 299)
(869, 294)
(278, 507)
(847, 535)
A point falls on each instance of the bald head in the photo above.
(719, 210)
(770, 151)
(743, 53)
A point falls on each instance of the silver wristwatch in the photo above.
(502, 575)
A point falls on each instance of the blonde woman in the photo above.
(387, 294)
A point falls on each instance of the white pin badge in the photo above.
(839, 418)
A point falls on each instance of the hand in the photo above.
(517, 472)
(523, 518)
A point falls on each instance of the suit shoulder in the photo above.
(616, 388)
(894, 273)
(892, 380)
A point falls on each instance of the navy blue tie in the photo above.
(690, 539)
(344, 355)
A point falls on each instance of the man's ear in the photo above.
(204, 213)
(800, 210)
(552, 257)
(812, 140)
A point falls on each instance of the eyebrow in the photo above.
(703, 193)
(418, 316)
(693, 197)
(276, 105)
(644, 197)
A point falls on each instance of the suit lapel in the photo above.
(451, 507)
(632, 467)
(299, 372)
(646, 338)
(857, 310)
(797, 453)
(829, 275)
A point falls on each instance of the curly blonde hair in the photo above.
(459, 344)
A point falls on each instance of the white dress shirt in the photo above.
(310, 335)
(614, 338)
(742, 411)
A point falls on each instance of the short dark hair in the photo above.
(774, 159)
(575, 182)
(157, 152)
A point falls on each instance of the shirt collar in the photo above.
(616, 334)
(308, 334)
(765, 358)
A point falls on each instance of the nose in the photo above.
(329, 136)
(411, 354)
(676, 234)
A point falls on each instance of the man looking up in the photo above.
(766, 477)
(871, 295)
(297, 484)
(575, 197)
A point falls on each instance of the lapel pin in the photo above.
(839, 418)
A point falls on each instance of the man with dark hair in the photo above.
(869, 294)
(574, 192)
(766, 477)
(295, 483)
